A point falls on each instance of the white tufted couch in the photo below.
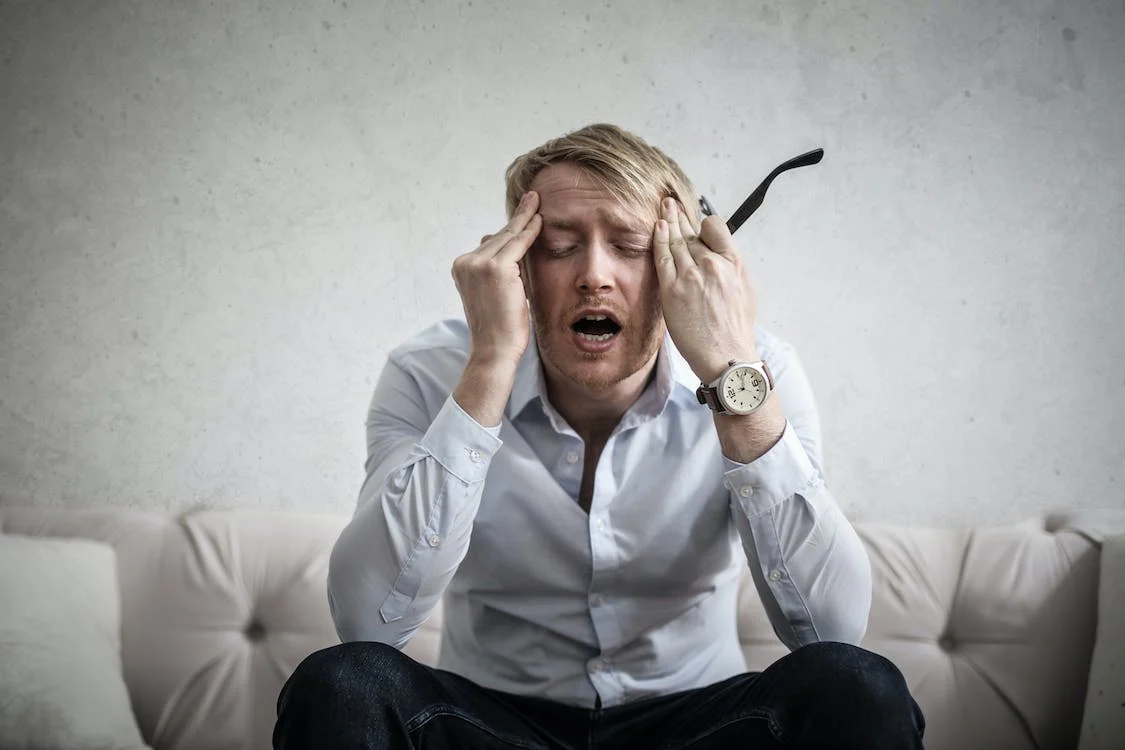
(993, 626)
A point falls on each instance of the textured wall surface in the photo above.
(216, 219)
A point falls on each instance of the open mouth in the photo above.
(596, 327)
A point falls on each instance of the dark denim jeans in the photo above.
(825, 695)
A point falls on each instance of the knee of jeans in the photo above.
(860, 674)
(349, 666)
(860, 695)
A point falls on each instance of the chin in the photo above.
(597, 378)
(598, 372)
(595, 371)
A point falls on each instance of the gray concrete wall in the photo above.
(216, 218)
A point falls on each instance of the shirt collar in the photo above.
(671, 370)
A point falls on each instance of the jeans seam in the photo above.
(757, 713)
(423, 718)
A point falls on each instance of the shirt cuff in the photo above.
(780, 473)
(461, 444)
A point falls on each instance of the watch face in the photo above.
(743, 390)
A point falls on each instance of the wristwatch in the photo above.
(741, 389)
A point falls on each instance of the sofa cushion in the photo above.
(992, 627)
(218, 608)
(1103, 724)
(61, 683)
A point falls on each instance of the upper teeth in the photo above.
(595, 317)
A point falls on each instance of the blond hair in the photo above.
(637, 174)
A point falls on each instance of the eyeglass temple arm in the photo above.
(752, 203)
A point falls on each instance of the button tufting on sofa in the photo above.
(254, 631)
(946, 643)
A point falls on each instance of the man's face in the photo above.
(593, 258)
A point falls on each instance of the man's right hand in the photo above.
(492, 293)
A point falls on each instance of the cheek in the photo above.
(534, 274)
(645, 285)
(540, 284)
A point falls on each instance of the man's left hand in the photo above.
(709, 301)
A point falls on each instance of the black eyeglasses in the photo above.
(751, 204)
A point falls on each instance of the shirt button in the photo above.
(596, 600)
(474, 454)
(746, 490)
(434, 540)
(572, 457)
(597, 666)
(600, 524)
(775, 575)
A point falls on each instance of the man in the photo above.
(556, 481)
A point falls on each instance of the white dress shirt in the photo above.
(634, 599)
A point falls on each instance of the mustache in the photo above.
(592, 300)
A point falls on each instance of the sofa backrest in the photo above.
(993, 626)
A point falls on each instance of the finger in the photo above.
(525, 211)
(677, 245)
(695, 245)
(662, 254)
(715, 235)
(517, 246)
(490, 244)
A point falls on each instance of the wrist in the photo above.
(494, 359)
(745, 438)
(484, 389)
(717, 362)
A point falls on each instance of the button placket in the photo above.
(602, 556)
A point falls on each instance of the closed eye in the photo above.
(558, 252)
(634, 249)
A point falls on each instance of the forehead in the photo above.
(569, 196)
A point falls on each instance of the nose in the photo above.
(595, 272)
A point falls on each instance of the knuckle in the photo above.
(693, 275)
(491, 269)
(712, 263)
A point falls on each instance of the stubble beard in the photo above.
(641, 343)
